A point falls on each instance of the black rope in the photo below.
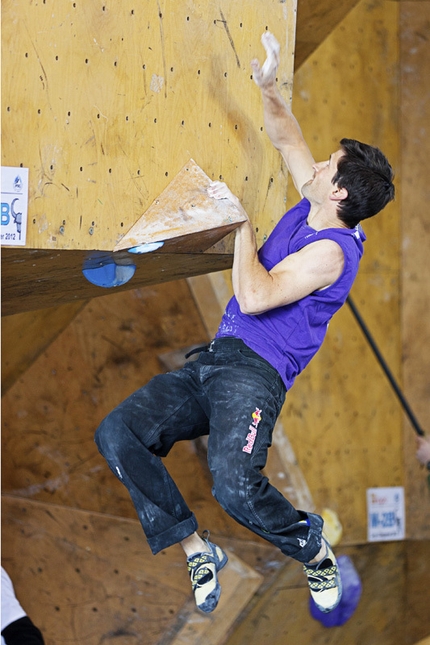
(386, 369)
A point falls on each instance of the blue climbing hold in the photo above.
(104, 270)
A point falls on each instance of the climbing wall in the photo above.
(62, 509)
(105, 102)
(415, 95)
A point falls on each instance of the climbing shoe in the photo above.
(324, 581)
(203, 568)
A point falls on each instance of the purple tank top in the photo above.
(289, 336)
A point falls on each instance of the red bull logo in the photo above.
(252, 435)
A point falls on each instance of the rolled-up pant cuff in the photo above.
(314, 541)
(173, 535)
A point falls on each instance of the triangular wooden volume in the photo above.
(184, 209)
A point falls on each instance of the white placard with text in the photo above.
(385, 514)
(14, 206)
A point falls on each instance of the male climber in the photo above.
(285, 296)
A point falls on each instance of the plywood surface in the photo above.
(415, 94)
(381, 618)
(315, 22)
(26, 335)
(39, 278)
(106, 588)
(104, 103)
(113, 589)
(418, 595)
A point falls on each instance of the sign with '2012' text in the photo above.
(385, 514)
(14, 206)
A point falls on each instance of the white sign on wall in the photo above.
(385, 514)
(14, 205)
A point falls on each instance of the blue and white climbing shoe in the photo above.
(324, 581)
(203, 568)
